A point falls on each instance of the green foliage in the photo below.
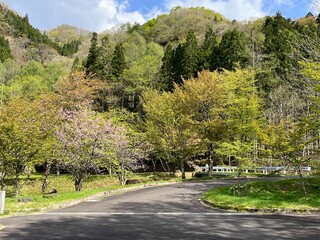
(5, 51)
(118, 62)
(91, 62)
(232, 50)
(70, 48)
(279, 35)
(210, 58)
(104, 59)
(168, 129)
(181, 63)
(204, 113)
(64, 34)
(190, 60)
(24, 127)
(31, 80)
(176, 25)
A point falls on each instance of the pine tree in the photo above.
(233, 50)
(190, 60)
(104, 58)
(166, 70)
(91, 64)
(177, 58)
(210, 51)
(279, 33)
(118, 62)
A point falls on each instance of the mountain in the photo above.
(66, 33)
(26, 42)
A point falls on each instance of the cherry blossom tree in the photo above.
(127, 149)
(84, 137)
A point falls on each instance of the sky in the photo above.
(99, 15)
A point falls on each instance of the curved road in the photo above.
(165, 212)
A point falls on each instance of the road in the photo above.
(166, 212)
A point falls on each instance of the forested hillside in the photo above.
(183, 85)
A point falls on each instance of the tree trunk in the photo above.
(2, 177)
(110, 169)
(302, 183)
(122, 176)
(58, 170)
(183, 172)
(154, 166)
(46, 176)
(17, 185)
(78, 184)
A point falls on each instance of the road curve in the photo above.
(166, 212)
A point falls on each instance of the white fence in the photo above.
(264, 170)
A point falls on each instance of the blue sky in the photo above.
(99, 15)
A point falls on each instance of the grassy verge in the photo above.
(30, 188)
(276, 196)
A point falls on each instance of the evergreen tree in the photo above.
(91, 63)
(177, 58)
(5, 51)
(210, 51)
(70, 48)
(166, 70)
(104, 58)
(279, 33)
(233, 50)
(118, 62)
(190, 60)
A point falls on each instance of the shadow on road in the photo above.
(166, 227)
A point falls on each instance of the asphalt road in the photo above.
(165, 212)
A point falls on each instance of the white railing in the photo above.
(264, 170)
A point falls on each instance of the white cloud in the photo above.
(109, 13)
(232, 9)
(237, 9)
(99, 15)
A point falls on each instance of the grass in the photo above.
(30, 188)
(276, 196)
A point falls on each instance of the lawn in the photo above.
(30, 188)
(276, 196)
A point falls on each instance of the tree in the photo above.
(91, 64)
(125, 151)
(178, 55)
(279, 36)
(243, 111)
(166, 71)
(168, 129)
(5, 51)
(210, 51)
(190, 60)
(104, 58)
(118, 62)
(77, 89)
(204, 100)
(24, 128)
(84, 140)
(233, 50)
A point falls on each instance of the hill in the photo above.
(66, 33)
(26, 42)
(176, 25)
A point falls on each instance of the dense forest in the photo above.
(188, 87)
